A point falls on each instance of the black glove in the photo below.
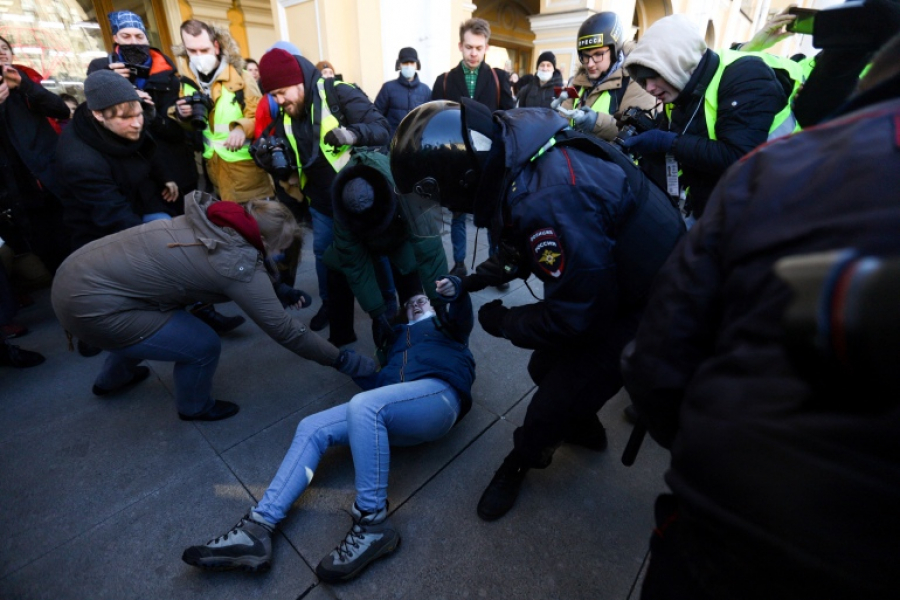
(290, 296)
(382, 332)
(340, 137)
(491, 318)
(354, 365)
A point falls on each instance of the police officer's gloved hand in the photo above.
(584, 120)
(382, 331)
(490, 272)
(340, 137)
(655, 141)
(491, 318)
(354, 365)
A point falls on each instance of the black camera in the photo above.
(136, 72)
(200, 105)
(272, 155)
(634, 121)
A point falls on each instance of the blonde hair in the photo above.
(277, 225)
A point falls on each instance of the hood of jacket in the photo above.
(522, 134)
(227, 249)
(384, 208)
(672, 47)
(92, 133)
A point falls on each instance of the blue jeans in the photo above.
(408, 413)
(185, 340)
(323, 235)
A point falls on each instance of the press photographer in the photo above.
(151, 71)
(718, 108)
(219, 98)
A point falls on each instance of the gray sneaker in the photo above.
(371, 537)
(247, 546)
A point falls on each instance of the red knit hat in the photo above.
(232, 214)
(278, 69)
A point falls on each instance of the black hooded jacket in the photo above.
(357, 114)
(108, 182)
(175, 145)
(750, 96)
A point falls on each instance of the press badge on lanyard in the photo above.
(672, 175)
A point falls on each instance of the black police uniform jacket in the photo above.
(564, 212)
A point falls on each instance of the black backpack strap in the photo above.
(333, 104)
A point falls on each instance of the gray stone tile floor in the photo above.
(99, 496)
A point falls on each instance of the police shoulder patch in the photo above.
(547, 251)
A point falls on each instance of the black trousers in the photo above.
(573, 384)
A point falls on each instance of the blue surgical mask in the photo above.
(408, 71)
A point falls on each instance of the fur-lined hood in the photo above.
(231, 52)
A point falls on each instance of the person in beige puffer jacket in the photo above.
(605, 90)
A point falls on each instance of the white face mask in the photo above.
(408, 71)
(204, 63)
(544, 76)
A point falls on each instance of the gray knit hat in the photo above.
(104, 88)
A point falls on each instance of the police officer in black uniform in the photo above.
(593, 230)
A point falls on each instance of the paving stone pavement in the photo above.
(101, 495)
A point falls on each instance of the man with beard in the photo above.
(218, 87)
(150, 70)
(321, 120)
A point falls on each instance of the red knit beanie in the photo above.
(232, 214)
(278, 69)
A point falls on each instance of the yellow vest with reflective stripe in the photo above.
(336, 157)
(601, 104)
(783, 123)
(225, 112)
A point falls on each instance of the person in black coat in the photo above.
(472, 78)
(785, 463)
(28, 187)
(541, 91)
(107, 164)
(150, 70)
(671, 61)
(399, 96)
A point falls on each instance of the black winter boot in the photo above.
(502, 491)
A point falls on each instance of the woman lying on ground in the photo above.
(421, 392)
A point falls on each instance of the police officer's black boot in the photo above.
(502, 491)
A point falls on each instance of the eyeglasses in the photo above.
(595, 58)
(420, 301)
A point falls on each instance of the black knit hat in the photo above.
(408, 55)
(548, 56)
(104, 88)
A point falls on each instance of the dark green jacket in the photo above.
(387, 229)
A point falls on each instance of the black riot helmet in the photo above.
(436, 154)
(597, 31)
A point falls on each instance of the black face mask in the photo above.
(135, 54)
